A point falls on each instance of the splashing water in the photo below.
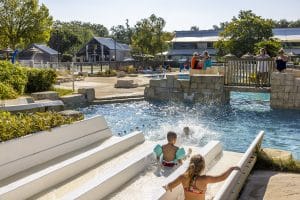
(235, 125)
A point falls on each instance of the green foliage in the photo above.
(69, 37)
(67, 58)
(107, 73)
(272, 46)
(267, 163)
(149, 37)
(122, 33)
(14, 126)
(62, 92)
(23, 22)
(283, 23)
(13, 75)
(7, 92)
(242, 33)
(40, 80)
(130, 69)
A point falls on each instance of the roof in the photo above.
(189, 52)
(44, 48)
(196, 39)
(283, 34)
(110, 43)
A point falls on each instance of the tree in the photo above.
(122, 33)
(149, 37)
(69, 37)
(64, 40)
(283, 23)
(272, 46)
(242, 33)
(194, 28)
(23, 22)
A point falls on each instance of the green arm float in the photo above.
(180, 154)
(158, 150)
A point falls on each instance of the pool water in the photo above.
(235, 124)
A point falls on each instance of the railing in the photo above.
(94, 67)
(241, 72)
(234, 183)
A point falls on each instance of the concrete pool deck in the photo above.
(269, 185)
(104, 86)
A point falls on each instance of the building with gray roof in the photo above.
(185, 43)
(43, 54)
(103, 49)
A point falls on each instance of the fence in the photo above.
(242, 72)
(94, 67)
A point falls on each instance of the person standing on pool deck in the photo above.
(262, 67)
(281, 60)
(195, 60)
(206, 60)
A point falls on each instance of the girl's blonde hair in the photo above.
(196, 166)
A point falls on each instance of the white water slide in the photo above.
(85, 161)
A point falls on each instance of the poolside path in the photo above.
(104, 86)
(271, 185)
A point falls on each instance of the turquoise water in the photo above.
(235, 125)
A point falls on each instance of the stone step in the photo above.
(42, 177)
(96, 102)
(105, 178)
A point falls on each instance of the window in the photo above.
(210, 45)
(184, 45)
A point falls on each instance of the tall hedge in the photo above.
(13, 75)
(40, 80)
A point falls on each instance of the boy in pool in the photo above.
(171, 154)
(187, 131)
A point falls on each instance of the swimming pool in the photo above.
(235, 125)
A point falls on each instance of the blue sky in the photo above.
(179, 14)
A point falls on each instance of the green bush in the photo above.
(107, 73)
(40, 80)
(18, 125)
(62, 92)
(264, 162)
(130, 69)
(13, 75)
(7, 92)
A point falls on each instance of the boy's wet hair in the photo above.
(171, 135)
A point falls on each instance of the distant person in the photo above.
(194, 182)
(206, 60)
(187, 132)
(195, 61)
(262, 67)
(171, 155)
(281, 60)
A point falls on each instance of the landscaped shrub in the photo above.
(13, 75)
(7, 92)
(17, 125)
(40, 80)
(107, 73)
(130, 69)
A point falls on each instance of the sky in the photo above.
(178, 14)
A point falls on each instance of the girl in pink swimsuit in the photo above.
(193, 182)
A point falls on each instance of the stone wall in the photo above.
(202, 88)
(285, 90)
